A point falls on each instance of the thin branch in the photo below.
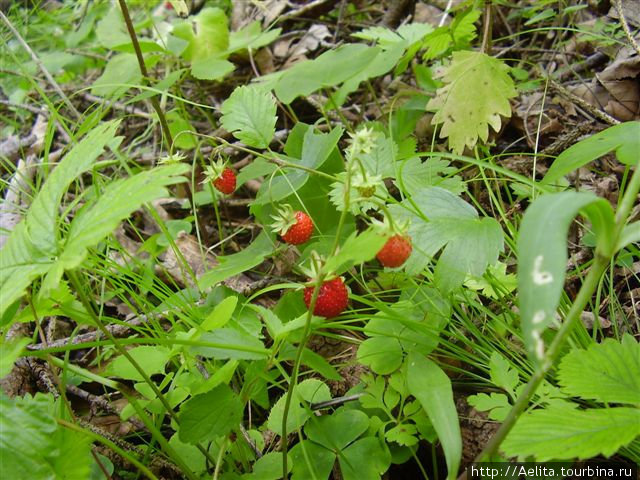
(145, 73)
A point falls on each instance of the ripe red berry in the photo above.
(395, 252)
(226, 182)
(300, 232)
(332, 298)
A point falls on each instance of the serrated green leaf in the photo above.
(42, 215)
(565, 433)
(118, 201)
(464, 117)
(607, 372)
(455, 36)
(623, 138)
(250, 115)
(542, 250)
(502, 375)
(470, 244)
(431, 386)
(434, 172)
(210, 415)
(496, 404)
(32, 246)
(33, 446)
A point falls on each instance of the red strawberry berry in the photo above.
(332, 298)
(300, 232)
(226, 182)
(395, 252)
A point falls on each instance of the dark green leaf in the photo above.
(210, 415)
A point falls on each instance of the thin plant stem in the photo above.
(145, 74)
(487, 27)
(307, 328)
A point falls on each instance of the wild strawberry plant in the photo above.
(361, 235)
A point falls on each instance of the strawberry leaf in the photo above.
(250, 115)
(476, 93)
(469, 243)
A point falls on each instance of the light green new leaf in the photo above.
(220, 315)
(118, 201)
(623, 138)
(476, 93)
(211, 68)
(565, 433)
(250, 115)
(608, 372)
(431, 386)
(542, 250)
(210, 415)
(211, 35)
